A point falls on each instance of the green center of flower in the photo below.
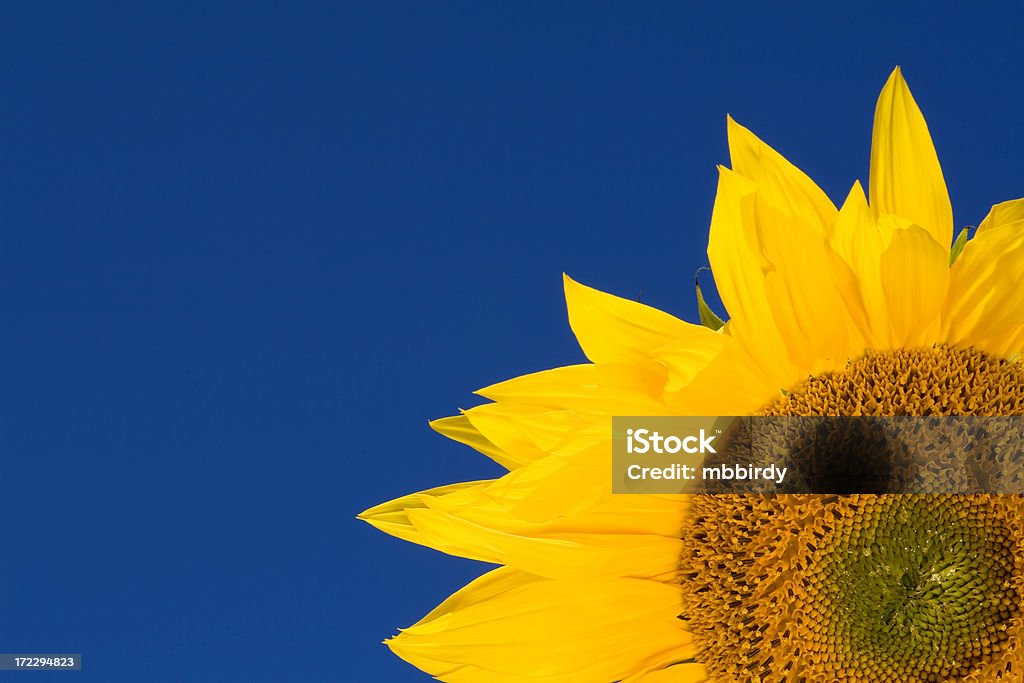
(910, 587)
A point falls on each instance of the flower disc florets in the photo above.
(893, 587)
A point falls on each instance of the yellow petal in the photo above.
(637, 514)
(494, 504)
(529, 432)
(557, 485)
(621, 537)
(856, 238)
(392, 517)
(459, 428)
(804, 293)
(634, 535)
(554, 555)
(659, 514)
(496, 423)
(687, 356)
(739, 267)
(901, 271)
(491, 585)
(736, 263)
(730, 384)
(786, 305)
(1003, 214)
(782, 184)
(608, 389)
(984, 308)
(1009, 344)
(615, 330)
(507, 626)
(915, 276)
(557, 432)
(906, 179)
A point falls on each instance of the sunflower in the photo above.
(868, 309)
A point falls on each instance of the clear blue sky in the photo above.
(247, 251)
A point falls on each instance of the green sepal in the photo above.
(707, 316)
(958, 245)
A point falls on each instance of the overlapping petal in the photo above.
(498, 424)
(610, 329)
(914, 273)
(511, 626)
(780, 183)
(787, 305)
(607, 389)
(1003, 214)
(532, 432)
(631, 536)
(627, 514)
(906, 179)
(558, 555)
(856, 238)
(985, 308)
(731, 383)
(459, 428)
(392, 517)
(558, 485)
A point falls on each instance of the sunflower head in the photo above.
(867, 308)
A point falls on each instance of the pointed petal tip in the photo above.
(733, 124)
(370, 514)
(568, 283)
(573, 287)
(905, 175)
(857, 193)
(895, 88)
(895, 77)
(738, 134)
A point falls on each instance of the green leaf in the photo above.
(958, 245)
(707, 316)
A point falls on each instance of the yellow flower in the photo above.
(866, 309)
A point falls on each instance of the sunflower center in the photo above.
(938, 381)
(910, 587)
(866, 587)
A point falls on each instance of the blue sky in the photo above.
(247, 251)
